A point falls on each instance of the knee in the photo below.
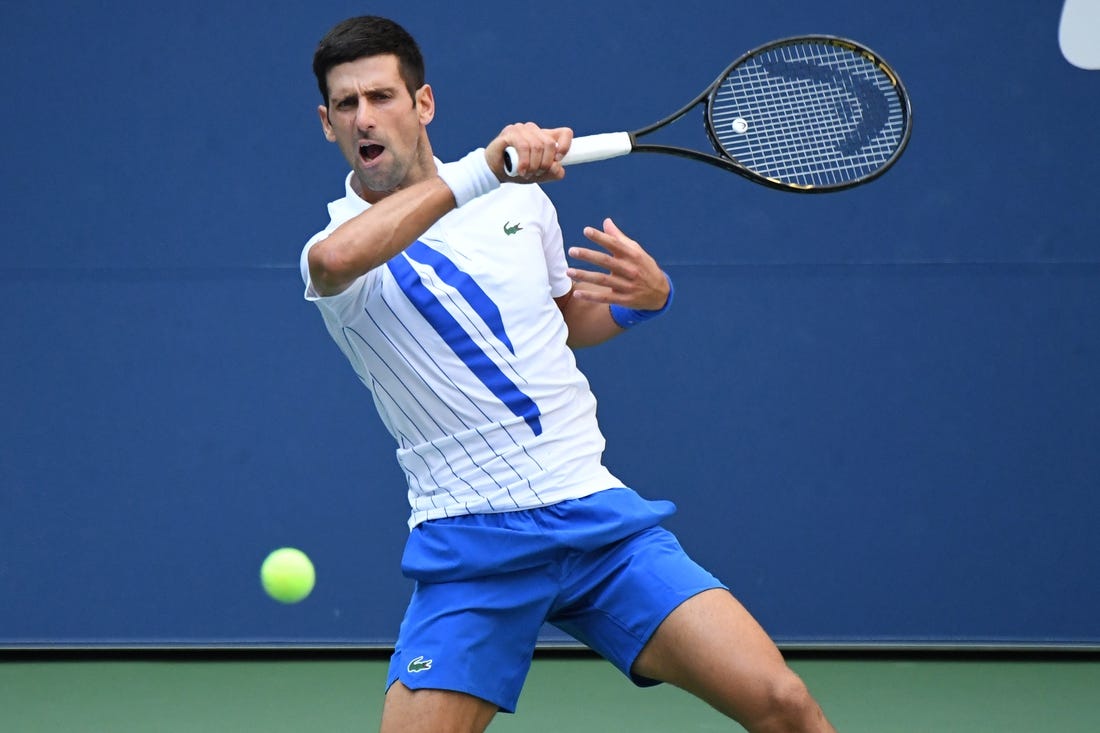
(790, 707)
(790, 693)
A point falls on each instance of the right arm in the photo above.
(368, 240)
(389, 226)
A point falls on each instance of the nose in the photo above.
(364, 115)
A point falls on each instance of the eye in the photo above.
(346, 103)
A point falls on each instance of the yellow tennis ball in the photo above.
(287, 575)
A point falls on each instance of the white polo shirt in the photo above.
(461, 344)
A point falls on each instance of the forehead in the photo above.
(369, 72)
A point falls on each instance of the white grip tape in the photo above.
(590, 148)
(585, 149)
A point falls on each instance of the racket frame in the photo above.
(724, 161)
(589, 148)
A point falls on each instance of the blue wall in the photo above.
(877, 410)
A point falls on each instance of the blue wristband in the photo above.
(628, 317)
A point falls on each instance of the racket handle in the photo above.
(585, 149)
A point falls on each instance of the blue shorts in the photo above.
(598, 568)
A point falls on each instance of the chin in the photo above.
(372, 187)
(377, 180)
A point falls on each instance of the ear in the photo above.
(322, 112)
(425, 104)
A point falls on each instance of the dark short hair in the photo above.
(368, 35)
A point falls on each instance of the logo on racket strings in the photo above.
(852, 92)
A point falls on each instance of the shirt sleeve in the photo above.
(553, 246)
(341, 304)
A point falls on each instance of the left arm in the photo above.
(632, 279)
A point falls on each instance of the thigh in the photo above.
(434, 711)
(712, 647)
(617, 596)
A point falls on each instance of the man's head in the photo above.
(368, 35)
(376, 104)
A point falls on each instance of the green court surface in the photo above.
(571, 693)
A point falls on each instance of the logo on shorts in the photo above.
(420, 664)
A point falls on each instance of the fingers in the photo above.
(611, 238)
(623, 253)
(628, 275)
(537, 151)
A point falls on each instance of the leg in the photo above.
(713, 648)
(434, 711)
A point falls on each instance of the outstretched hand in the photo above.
(630, 276)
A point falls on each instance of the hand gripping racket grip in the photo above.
(584, 149)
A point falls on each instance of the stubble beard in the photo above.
(379, 180)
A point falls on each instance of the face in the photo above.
(379, 128)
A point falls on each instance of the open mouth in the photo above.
(370, 151)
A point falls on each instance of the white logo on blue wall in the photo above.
(1079, 33)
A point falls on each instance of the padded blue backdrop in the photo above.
(877, 410)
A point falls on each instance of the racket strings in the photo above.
(809, 114)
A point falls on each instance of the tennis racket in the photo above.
(808, 114)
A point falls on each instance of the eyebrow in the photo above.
(347, 93)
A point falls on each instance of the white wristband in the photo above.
(469, 177)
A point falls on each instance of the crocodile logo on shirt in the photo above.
(420, 664)
(511, 229)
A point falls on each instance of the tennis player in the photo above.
(449, 293)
